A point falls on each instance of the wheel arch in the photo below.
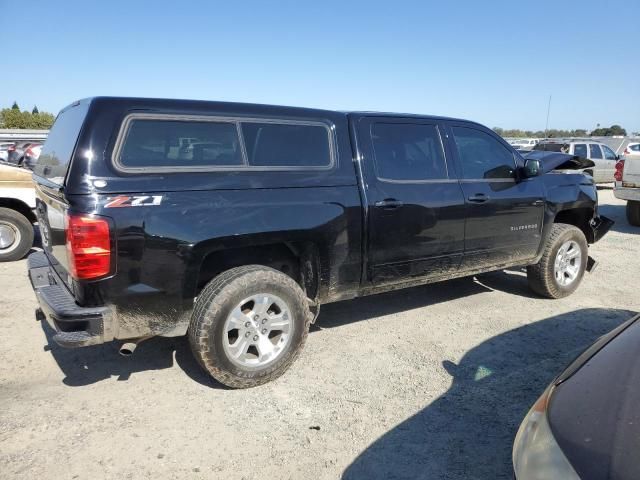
(579, 217)
(298, 260)
(19, 206)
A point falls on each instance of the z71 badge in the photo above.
(135, 201)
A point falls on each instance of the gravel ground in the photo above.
(429, 382)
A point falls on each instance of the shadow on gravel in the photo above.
(84, 366)
(618, 214)
(468, 432)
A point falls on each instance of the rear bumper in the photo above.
(75, 326)
(626, 193)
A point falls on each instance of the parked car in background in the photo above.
(524, 143)
(585, 425)
(632, 149)
(627, 186)
(16, 153)
(600, 154)
(17, 201)
(274, 211)
(4, 150)
(31, 155)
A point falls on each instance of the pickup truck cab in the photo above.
(233, 223)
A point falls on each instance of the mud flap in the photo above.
(600, 225)
(592, 264)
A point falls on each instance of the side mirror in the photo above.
(532, 168)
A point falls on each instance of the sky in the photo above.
(495, 62)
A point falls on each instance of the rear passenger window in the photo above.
(608, 153)
(171, 143)
(286, 145)
(595, 151)
(408, 152)
(580, 149)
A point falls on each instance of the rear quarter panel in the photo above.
(161, 246)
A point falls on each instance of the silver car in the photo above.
(600, 154)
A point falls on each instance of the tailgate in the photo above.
(631, 175)
(51, 210)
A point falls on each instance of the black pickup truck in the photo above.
(233, 223)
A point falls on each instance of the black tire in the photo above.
(219, 297)
(541, 276)
(22, 227)
(633, 213)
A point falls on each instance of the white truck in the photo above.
(17, 202)
(627, 186)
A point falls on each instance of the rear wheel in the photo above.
(249, 325)
(563, 263)
(633, 213)
(16, 235)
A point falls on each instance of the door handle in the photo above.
(478, 198)
(388, 203)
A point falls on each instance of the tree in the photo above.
(609, 132)
(35, 110)
(555, 133)
(14, 118)
(15, 106)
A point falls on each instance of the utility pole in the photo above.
(546, 127)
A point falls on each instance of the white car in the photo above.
(600, 154)
(17, 202)
(633, 150)
(524, 143)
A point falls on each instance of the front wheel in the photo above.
(16, 235)
(249, 325)
(563, 263)
(633, 213)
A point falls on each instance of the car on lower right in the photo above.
(586, 424)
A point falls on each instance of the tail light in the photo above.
(88, 246)
(619, 170)
(626, 152)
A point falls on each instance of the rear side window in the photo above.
(408, 152)
(595, 151)
(151, 142)
(176, 143)
(286, 145)
(580, 149)
(635, 148)
(608, 153)
(55, 157)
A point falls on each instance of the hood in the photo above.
(558, 161)
(594, 413)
